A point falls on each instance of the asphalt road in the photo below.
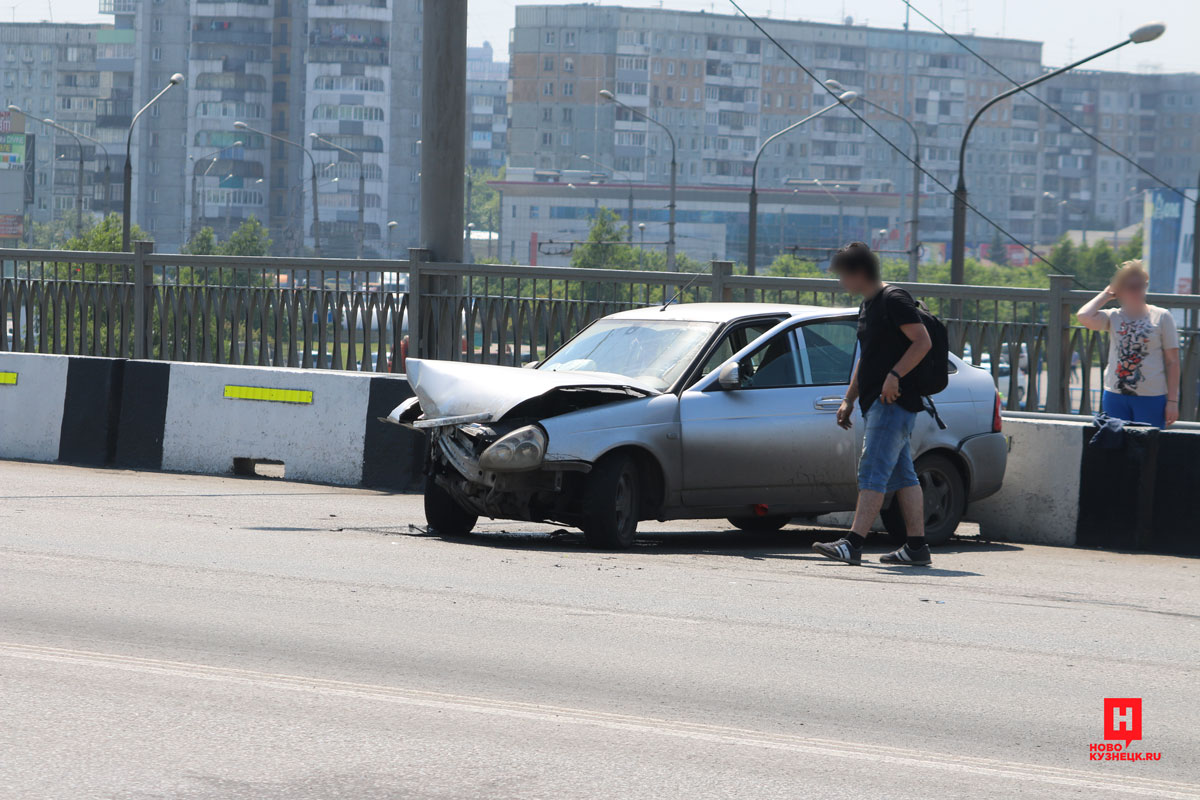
(171, 636)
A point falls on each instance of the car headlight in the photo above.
(524, 448)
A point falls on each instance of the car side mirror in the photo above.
(730, 376)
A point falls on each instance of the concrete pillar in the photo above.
(443, 128)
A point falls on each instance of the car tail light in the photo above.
(997, 422)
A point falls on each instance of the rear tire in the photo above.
(767, 524)
(945, 500)
(611, 500)
(443, 513)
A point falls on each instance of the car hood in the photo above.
(457, 388)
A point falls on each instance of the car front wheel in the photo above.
(945, 500)
(611, 502)
(443, 513)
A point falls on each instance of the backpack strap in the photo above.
(933, 412)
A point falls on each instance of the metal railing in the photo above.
(369, 315)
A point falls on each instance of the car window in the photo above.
(827, 355)
(733, 341)
(771, 366)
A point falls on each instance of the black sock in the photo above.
(856, 540)
(915, 542)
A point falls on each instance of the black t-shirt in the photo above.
(884, 344)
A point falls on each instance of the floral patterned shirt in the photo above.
(1135, 351)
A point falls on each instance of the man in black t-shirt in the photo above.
(892, 340)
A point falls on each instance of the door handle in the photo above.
(827, 403)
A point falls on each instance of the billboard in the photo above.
(1169, 222)
(12, 226)
(12, 151)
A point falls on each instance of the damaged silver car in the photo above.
(701, 411)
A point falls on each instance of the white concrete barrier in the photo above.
(32, 391)
(1039, 503)
(311, 420)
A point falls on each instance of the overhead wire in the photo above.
(957, 40)
(901, 150)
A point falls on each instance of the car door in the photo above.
(774, 439)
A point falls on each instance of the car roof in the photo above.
(728, 312)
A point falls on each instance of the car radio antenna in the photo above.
(682, 289)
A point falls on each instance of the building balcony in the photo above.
(119, 6)
(231, 37)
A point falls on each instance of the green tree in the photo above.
(250, 239)
(483, 205)
(1132, 249)
(605, 247)
(204, 243)
(998, 250)
(105, 236)
(788, 266)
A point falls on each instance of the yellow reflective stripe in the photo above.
(270, 395)
(8, 378)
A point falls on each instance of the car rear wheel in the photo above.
(765, 524)
(611, 502)
(443, 513)
(945, 500)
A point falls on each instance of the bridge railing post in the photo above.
(1058, 345)
(720, 271)
(143, 281)
(416, 310)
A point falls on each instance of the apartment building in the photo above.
(347, 70)
(487, 108)
(48, 70)
(721, 88)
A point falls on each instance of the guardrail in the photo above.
(355, 314)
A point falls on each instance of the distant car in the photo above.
(1003, 370)
(685, 412)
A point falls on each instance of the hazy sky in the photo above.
(1068, 27)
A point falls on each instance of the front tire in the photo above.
(945, 496)
(767, 524)
(611, 500)
(443, 513)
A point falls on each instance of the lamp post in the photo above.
(126, 200)
(241, 126)
(362, 184)
(213, 155)
(78, 174)
(642, 231)
(629, 181)
(837, 199)
(391, 226)
(958, 249)
(914, 250)
(752, 237)
(100, 144)
(610, 97)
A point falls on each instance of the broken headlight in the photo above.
(522, 449)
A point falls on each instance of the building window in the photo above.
(568, 65)
(569, 38)
(548, 89)
(568, 115)
(534, 212)
(156, 54)
(547, 139)
(549, 38)
(547, 114)
(568, 90)
(548, 64)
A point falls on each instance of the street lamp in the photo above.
(98, 143)
(628, 180)
(391, 226)
(79, 177)
(241, 126)
(752, 238)
(642, 231)
(362, 186)
(610, 97)
(126, 201)
(914, 251)
(958, 254)
(837, 199)
(214, 156)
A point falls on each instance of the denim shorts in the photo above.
(886, 464)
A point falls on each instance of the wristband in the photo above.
(897, 374)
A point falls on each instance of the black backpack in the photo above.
(932, 375)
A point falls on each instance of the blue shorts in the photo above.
(886, 464)
(1151, 410)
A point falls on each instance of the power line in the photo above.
(1052, 109)
(897, 147)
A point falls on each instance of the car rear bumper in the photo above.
(986, 456)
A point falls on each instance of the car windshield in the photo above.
(652, 352)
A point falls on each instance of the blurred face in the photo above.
(854, 282)
(1131, 290)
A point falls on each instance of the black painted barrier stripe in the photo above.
(142, 414)
(393, 457)
(88, 433)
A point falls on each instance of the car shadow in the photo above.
(790, 543)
